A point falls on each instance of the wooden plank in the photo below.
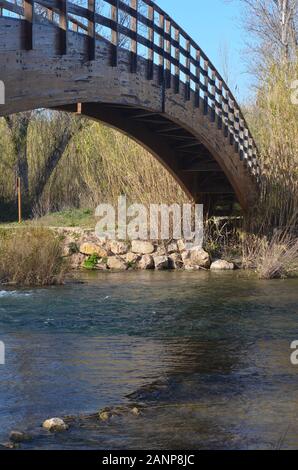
(177, 57)
(91, 30)
(115, 34)
(213, 101)
(151, 40)
(29, 18)
(187, 81)
(63, 20)
(168, 50)
(206, 85)
(198, 78)
(162, 46)
(133, 41)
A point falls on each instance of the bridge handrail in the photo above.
(163, 41)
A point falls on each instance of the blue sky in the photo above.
(216, 26)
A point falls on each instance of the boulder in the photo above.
(104, 415)
(116, 263)
(161, 262)
(132, 258)
(181, 245)
(55, 425)
(222, 265)
(93, 249)
(196, 258)
(146, 262)
(18, 436)
(135, 411)
(118, 248)
(175, 261)
(142, 247)
(172, 248)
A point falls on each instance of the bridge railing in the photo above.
(146, 30)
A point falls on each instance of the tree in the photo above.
(62, 127)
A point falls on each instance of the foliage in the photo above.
(91, 262)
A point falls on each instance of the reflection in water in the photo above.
(206, 357)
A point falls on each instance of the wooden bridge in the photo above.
(129, 64)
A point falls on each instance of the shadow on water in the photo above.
(206, 358)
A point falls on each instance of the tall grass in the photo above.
(31, 257)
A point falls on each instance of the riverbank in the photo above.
(85, 250)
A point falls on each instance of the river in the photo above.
(205, 356)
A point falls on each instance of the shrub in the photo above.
(31, 257)
(91, 262)
(274, 259)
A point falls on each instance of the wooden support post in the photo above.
(177, 57)
(213, 104)
(168, 50)
(220, 109)
(79, 109)
(91, 30)
(206, 86)
(115, 34)
(50, 14)
(63, 25)
(29, 17)
(162, 47)
(151, 39)
(198, 78)
(19, 192)
(187, 80)
(133, 42)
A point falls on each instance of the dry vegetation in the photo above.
(31, 257)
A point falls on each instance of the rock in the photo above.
(181, 245)
(116, 263)
(10, 445)
(142, 247)
(135, 411)
(132, 258)
(161, 250)
(172, 248)
(196, 258)
(18, 436)
(77, 260)
(118, 248)
(175, 261)
(55, 425)
(146, 262)
(104, 415)
(161, 262)
(222, 265)
(93, 249)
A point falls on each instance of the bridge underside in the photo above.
(185, 157)
(173, 123)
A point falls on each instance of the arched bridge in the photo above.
(129, 64)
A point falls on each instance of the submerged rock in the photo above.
(104, 415)
(55, 425)
(18, 436)
(222, 265)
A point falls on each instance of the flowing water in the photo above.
(205, 357)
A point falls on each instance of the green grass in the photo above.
(68, 218)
